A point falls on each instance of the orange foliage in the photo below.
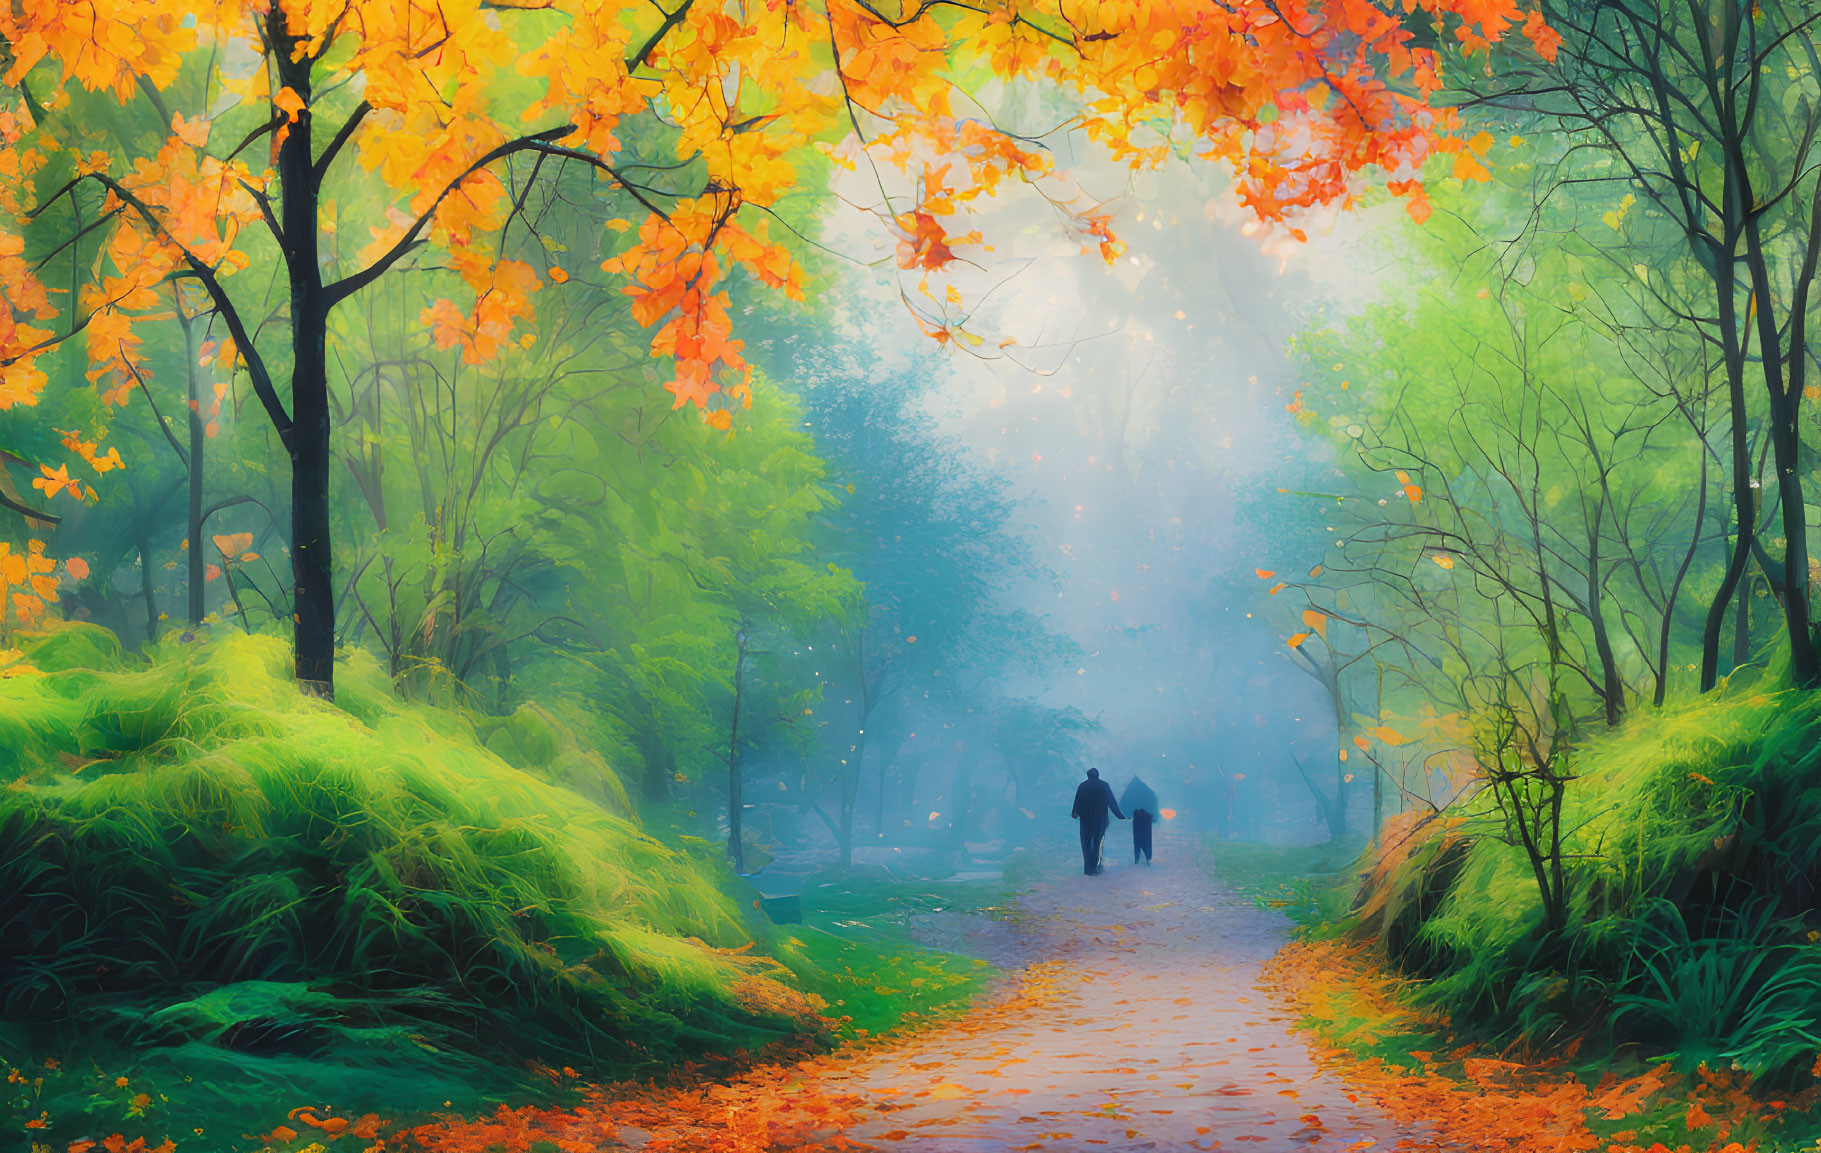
(1478, 1102)
(1297, 96)
(794, 1105)
(27, 583)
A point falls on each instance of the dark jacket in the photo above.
(1092, 800)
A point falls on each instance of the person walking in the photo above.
(1141, 799)
(1093, 800)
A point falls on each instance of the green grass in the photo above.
(1313, 885)
(1682, 821)
(1693, 857)
(242, 899)
(856, 948)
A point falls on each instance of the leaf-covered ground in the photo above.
(1136, 1023)
(1150, 1008)
(1157, 1009)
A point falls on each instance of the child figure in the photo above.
(1141, 835)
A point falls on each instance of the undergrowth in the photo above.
(859, 933)
(1693, 859)
(220, 898)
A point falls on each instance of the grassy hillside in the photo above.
(1692, 855)
(246, 898)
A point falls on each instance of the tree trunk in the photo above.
(1786, 438)
(888, 755)
(1741, 625)
(146, 590)
(1337, 815)
(197, 560)
(1612, 691)
(312, 567)
(1675, 589)
(850, 793)
(961, 801)
(1744, 507)
(736, 801)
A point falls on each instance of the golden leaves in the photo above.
(287, 101)
(27, 582)
(56, 480)
(1317, 622)
(1298, 100)
(101, 44)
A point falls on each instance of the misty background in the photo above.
(1135, 415)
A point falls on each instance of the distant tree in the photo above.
(922, 525)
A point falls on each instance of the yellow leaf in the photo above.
(1265, 574)
(1296, 640)
(1443, 559)
(289, 102)
(1390, 736)
(1317, 622)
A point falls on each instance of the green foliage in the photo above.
(1744, 997)
(208, 872)
(856, 949)
(1691, 865)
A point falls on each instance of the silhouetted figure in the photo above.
(1093, 799)
(1141, 835)
(1141, 800)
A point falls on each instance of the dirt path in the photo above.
(1160, 1039)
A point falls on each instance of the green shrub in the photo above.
(197, 858)
(1693, 854)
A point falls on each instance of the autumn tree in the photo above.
(438, 117)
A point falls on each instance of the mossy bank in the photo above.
(236, 893)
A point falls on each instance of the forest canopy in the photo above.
(228, 176)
